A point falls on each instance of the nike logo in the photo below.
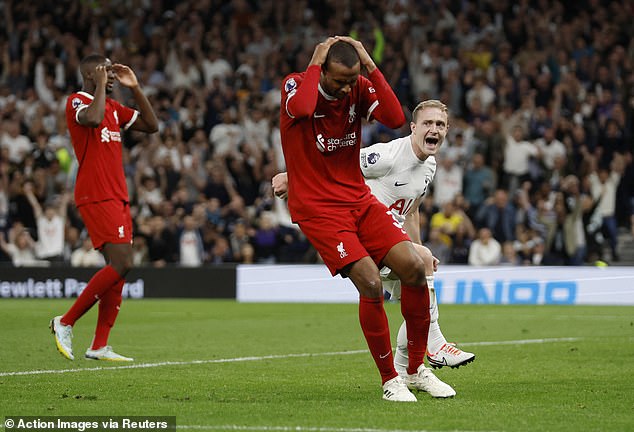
(399, 184)
(384, 356)
(319, 115)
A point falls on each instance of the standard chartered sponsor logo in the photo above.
(348, 140)
(108, 135)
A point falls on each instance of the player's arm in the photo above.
(30, 196)
(412, 223)
(147, 121)
(92, 116)
(388, 111)
(302, 98)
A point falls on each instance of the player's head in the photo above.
(429, 126)
(87, 69)
(341, 70)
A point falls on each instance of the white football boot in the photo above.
(63, 337)
(425, 380)
(449, 355)
(395, 390)
(106, 353)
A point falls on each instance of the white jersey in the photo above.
(396, 176)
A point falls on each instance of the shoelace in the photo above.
(450, 349)
(67, 331)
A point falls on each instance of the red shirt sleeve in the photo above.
(302, 100)
(126, 116)
(389, 111)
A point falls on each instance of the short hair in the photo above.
(430, 103)
(89, 60)
(342, 52)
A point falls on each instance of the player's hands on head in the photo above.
(321, 51)
(365, 58)
(125, 75)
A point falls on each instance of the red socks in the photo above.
(101, 282)
(377, 334)
(415, 310)
(108, 311)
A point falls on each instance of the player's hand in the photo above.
(280, 185)
(125, 75)
(321, 51)
(101, 75)
(365, 58)
(435, 261)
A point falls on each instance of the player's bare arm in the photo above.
(412, 223)
(366, 59)
(147, 121)
(93, 115)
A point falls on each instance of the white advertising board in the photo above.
(454, 284)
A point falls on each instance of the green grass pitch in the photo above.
(222, 365)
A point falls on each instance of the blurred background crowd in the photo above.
(536, 169)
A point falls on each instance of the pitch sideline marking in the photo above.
(297, 428)
(258, 358)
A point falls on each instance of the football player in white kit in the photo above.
(399, 173)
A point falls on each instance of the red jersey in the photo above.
(322, 150)
(100, 176)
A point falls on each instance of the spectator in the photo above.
(447, 222)
(478, 183)
(191, 251)
(485, 250)
(266, 239)
(18, 145)
(438, 247)
(499, 216)
(509, 255)
(517, 156)
(21, 248)
(86, 255)
(448, 180)
(603, 183)
(51, 223)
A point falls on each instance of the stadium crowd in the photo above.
(537, 167)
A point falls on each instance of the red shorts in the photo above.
(343, 237)
(107, 222)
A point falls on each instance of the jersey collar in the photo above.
(324, 94)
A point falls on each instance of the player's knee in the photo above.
(371, 287)
(122, 265)
(414, 274)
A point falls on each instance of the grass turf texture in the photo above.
(585, 384)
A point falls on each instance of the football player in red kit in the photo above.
(320, 124)
(95, 122)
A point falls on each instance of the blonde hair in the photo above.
(429, 103)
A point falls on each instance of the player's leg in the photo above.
(415, 309)
(439, 352)
(351, 259)
(365, 276)
(407, 264)
(119, 256)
